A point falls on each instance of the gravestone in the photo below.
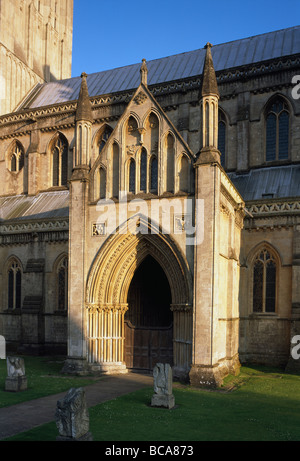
(16, 380)
(72, 417)
(2, 348)
(163, 386)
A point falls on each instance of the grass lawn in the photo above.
(261, 404)
(44, 378)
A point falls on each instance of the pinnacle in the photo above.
(209, 82)
(84, 107)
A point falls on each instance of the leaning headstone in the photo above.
(16, 380)
(72, 417)
(163, 386)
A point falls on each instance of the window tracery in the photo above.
(59, 162)
(16, 157)
(104, 138)
(14, 285)
(264, 282)
(277, 130)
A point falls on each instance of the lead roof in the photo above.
(237, 53)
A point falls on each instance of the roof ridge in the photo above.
(191, 51)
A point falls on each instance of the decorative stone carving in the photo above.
(99, 229)
(140, 98)
(182, 223)
(72, 418)
(163, 383)
(16, 380)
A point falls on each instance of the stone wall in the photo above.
(38, 325)
(35, 48)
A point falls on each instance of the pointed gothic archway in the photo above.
(109, 282)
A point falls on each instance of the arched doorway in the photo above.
(111, 281)
(149, 319)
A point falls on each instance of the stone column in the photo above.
(182, 339)
(105, 337)
(76, 362)
(79, 190)
(205, 370)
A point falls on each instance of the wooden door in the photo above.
(149, 320)
(146, 346)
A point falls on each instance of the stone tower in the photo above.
(35, 46)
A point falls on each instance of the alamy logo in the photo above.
(296, 89)
(151, 217)
(295, 352)
(2, 348)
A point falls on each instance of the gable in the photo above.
(143, 139)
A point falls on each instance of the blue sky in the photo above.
(115, 33)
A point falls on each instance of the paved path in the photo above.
(24, 416)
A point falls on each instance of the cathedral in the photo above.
(149, 213)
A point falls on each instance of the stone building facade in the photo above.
(151, 213)
(35, 46)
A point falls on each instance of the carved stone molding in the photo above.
(93, 308)
(15, 228)
(181, 308)
(274, 208)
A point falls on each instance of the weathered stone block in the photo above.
(17, 384)
(16, 380)
(72, 418)
(163, 386)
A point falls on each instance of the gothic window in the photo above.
(13, 163)
(103, 138)
(183, 174)
(153, 129)
(59, 161)
(264, 282)
(16, 157)
(102, 180)
(143, 171)
(170, 163)
(132, 176)
(132, 134)
(154, 174)
(62, 285)
(115, 175)
(14, 285)
(222, 137)
(277, 131)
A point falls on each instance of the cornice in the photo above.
(34, 226)
(269, 216)
(274, 208)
